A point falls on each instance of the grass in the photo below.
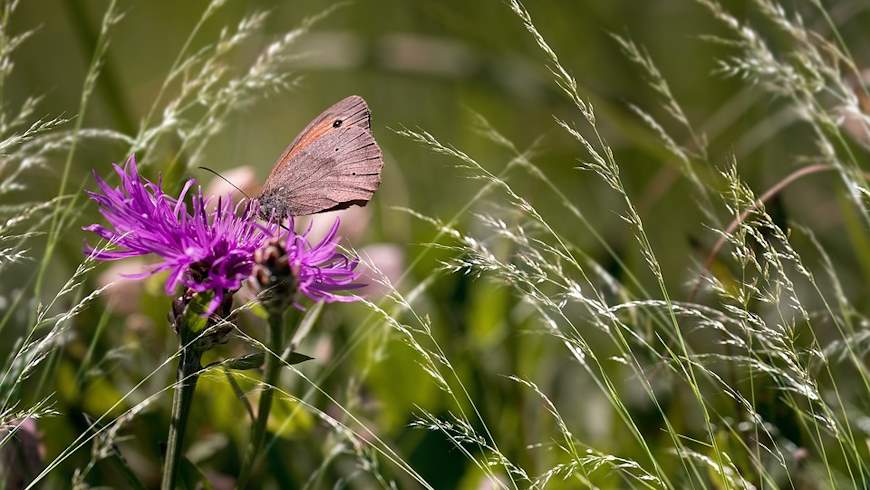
(559, 356)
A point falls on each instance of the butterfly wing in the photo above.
(349, 112)
(330, 165)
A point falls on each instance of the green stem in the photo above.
(272, 371)
(187, 375)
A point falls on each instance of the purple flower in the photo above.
(320, 270)
(203, 250)
(290, 264)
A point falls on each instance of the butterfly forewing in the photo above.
(334, 163)
(350, 111)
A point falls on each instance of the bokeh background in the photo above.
(428, 65)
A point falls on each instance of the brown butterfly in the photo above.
(333, 163)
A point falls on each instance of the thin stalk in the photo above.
(768, 194)
(272, 370)
(110, 18)
(185, 385)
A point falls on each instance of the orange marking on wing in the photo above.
(304, 140)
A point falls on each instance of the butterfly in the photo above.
(332, 164)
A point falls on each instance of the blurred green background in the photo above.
(425, 64)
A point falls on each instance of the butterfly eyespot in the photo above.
(336, 123)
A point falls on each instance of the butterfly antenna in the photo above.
(225, 180)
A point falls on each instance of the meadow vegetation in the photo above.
(613, 291)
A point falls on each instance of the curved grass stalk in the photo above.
(766, 196)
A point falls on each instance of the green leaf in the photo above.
(296, 358)
(255, 360)
(244, 363)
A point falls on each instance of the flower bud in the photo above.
(274, 275)
(187, 313)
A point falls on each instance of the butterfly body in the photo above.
(333, 164)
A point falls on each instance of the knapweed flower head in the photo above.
(290, 264)
(203, 250)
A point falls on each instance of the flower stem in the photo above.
(185, 384)
(272, 370)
